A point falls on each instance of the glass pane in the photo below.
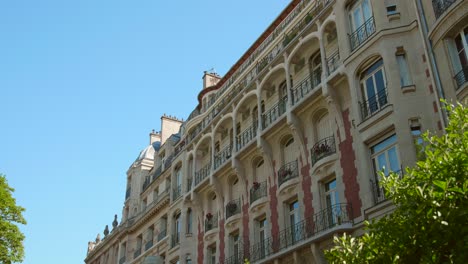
(366, 10)
(393, 159)
(358, 21)
(382, 163)
(384, 144)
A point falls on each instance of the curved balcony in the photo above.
(257, 191)
(233, 207)
(211, 226)
(274, 112)
(440, 6)
(287, 172)
(222, 156)
(323, 148)
(246, 136)
(203, 173)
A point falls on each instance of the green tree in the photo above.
(11, 238)
(430, 222)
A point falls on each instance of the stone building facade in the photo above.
(281, 153)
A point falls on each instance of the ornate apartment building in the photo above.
(281, 153)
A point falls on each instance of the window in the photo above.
(262, 235)
(360, 13)
(294, 219)
(385, 156)
(189, 221)
(316, 68)
(143, 204)
(235, 250)
(391, 10)
(458, 50)
(417, 139)
(405, 76)
(188, 259)
(212, 254)
(373, 89)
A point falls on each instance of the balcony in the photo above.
(211, 222)
(176, 192)
(378, 191)
(287, 172)
(222, 156)
(122, 260)
(309, 228)
(440, 6)
(461, 77)
(305, 86)
(246, 136)
(148, 244)
(201, 174)
(175, 240)
(360, 35)
(162, 234)
(274, 112)
(333, 62)
(233, 208)
(137, 253)
(374, 104)
(258, 190)
(323, 148)
(128, 192)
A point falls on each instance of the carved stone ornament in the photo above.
(106, 231)
(115, 223)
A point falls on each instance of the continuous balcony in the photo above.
(211, 222)
(323, 148)
(374, 104)
(362, 33)
(175, 240)
(203, 173)
(156, 200)
(257, 191)
(336, 216)
(137, 253)
(162, 234)
(440, 6)
(246, 136)
(222, 156)
(461, 77)
(287, 172)
(233, 207)
(148, 244)
(274, 112)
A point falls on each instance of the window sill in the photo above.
(408, 88)
(393, 16)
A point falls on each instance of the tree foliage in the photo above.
(11, 238)
(429, 224)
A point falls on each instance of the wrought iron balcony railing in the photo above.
(374, 104)
(328, 218)
(137, 253)
(176, 192)
(305, 86)
(128, 192)
(211, 222)
(362, 33)
(233, 207)
(257, 191)
(222, 156)
(148, 244)
(440, 6)
(461, 77)
(288, 171)
(246, 136)
(201, 174)
(378, 191)
(333, 62)
(162, 234)
(175, 240)
(122, 260)
(323, 148)
(274, 112)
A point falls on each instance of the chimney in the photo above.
(154, 136)
(169, 125)
(210, 79)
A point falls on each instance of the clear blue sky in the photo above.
(82, 83)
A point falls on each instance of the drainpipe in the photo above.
(434, 68)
